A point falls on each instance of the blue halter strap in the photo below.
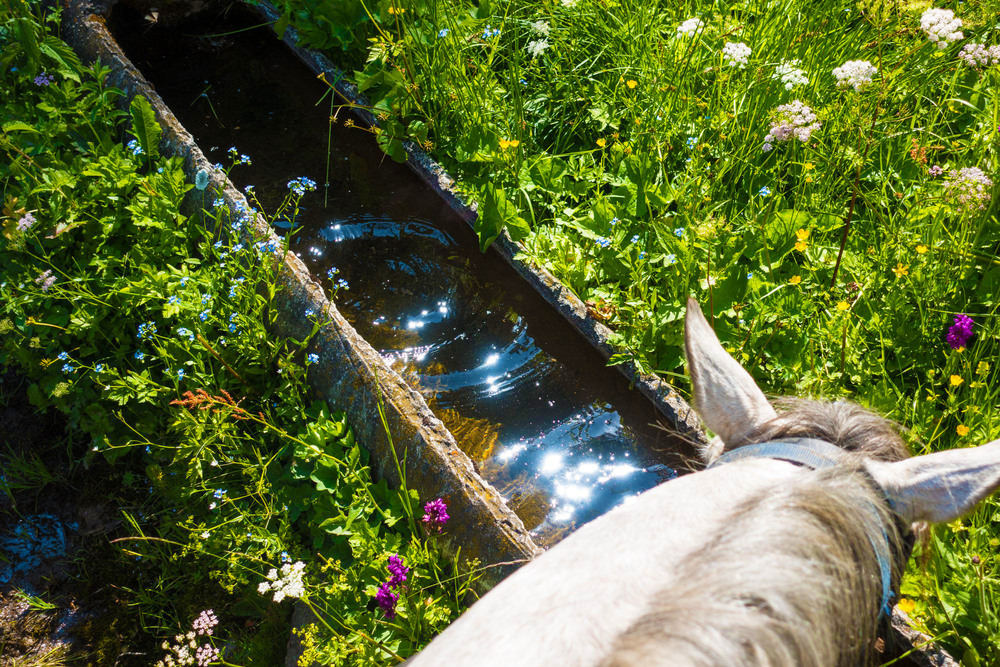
(817, 455)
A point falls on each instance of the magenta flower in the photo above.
(435, 514)
(397, 570)
(386, 599)
(960, 332)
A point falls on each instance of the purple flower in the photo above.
(397, 570)
(44, 79)
(936, 170)
(386, 599)
(960, 332)
(25, 223)
(435, 514)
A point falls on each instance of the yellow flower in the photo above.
(809, 179)
(843, 305)
(802, 234)
(396, 10)
(795, 280)
(631, 83)
(962, 430)
(906, 605)
(808, 166)
(960, 349)
(956, 380)
(983, 368)
(638, 121)
(901, 269)
(509, 143)
(801, 246)
(921, 249)
(602, 142)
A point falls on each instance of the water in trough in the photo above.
(560, 435)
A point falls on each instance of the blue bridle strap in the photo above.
(817, 455)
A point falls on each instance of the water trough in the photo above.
(354, 376)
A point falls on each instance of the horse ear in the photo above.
(941, 486)
(727, 398)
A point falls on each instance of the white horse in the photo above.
(780, 554)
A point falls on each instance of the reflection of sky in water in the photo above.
(414, 299)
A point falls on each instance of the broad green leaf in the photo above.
(144, 125)
(67, 64)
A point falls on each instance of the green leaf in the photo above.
(67, 64)
(29, 41)
(281, 25)
(144, 126)
(495, 213)
(18, 126)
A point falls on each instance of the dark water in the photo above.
(558, 433)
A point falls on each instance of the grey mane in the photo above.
(795, 580)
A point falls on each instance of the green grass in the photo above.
(628, 160)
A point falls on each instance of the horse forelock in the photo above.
(793, 579)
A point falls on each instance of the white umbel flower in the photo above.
(941, 26)
(791, 121)
(736, 54)
(855, 73)
(690, 27)
(980, 56)
(541, 27)
(790, 75)
(289, 584)
(537, 47)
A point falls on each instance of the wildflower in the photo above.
(68, 368)
(956, 380)
(795, 280)
(387, 600)
(219, 493)
(63, 356)
(764, 191)
(691, 142)
(906, 605)
(44, 79)
(203, 315)
(134, 147)
(568, 4)
(671, 259)
(980, 56)
(205, 622)
(790, 75)
(855, 73)
(180, 373)
(689, 27)
(632, 83)
(541, 27)
(982, 368)
(960, 331)
(212, 505)
(537, 47)
(921, 248)
(46, 280)
(309, 312)
(642, 254)
(289, 584)
(312, 358)
(301, 185)
(736, 54)
(331, 272)
(443, 32)
(435, 514)
(509, 143)
(901, 269)
(146, 330)
(99, 368)
(397, 570)
(184, 332)
(843, 305)
(970, 187)
(635, 238)
(139, 354)
(602, 142)
(490, 32)
(245, 159)
(962, 430)
(679, 232)
(603, 242)
(25, 223)
(792, 121)
(941, 26)
(935, 171)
